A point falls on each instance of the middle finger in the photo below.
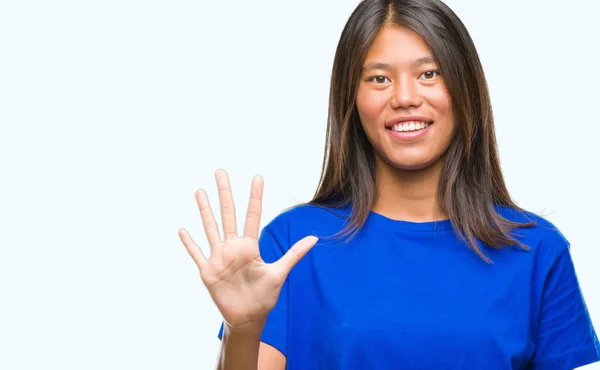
(227, 206)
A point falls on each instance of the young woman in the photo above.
(422, 260)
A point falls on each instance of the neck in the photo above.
(409, 195)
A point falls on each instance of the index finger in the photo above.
(252, 225)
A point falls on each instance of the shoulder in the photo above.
(307, 213)
(544, 238)
(298, 221)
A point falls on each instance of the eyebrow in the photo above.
(416, 63)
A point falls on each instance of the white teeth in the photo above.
(410, 126)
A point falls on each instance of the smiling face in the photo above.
(400, 82)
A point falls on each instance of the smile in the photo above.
(409, 130)
(410, 126)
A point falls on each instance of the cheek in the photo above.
(370, 106)
(441, 102)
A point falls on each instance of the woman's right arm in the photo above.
(244, 288)
(242, 351)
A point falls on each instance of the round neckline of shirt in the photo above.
(399, 225)
(439, 225)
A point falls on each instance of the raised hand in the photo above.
(244, 287)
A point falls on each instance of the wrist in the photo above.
(250, 329)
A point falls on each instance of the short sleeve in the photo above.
(275, 330)
(566, 338)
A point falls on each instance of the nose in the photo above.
(405, 93)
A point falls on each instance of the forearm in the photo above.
(239, 350)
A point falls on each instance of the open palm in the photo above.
(244, 287)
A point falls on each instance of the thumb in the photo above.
(295, 254)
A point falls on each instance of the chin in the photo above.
(412, 164)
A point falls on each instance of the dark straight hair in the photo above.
(471, 184)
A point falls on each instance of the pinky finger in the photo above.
(192, 248)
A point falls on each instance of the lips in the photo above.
(397, 120)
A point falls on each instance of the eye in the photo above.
(378, 79)
(431, 74)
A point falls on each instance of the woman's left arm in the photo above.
(565, 337)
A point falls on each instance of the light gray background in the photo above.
(113, 113)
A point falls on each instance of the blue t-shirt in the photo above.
(407, 295)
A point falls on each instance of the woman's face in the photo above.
(402, 101)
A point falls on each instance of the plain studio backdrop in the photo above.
(113, 113)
